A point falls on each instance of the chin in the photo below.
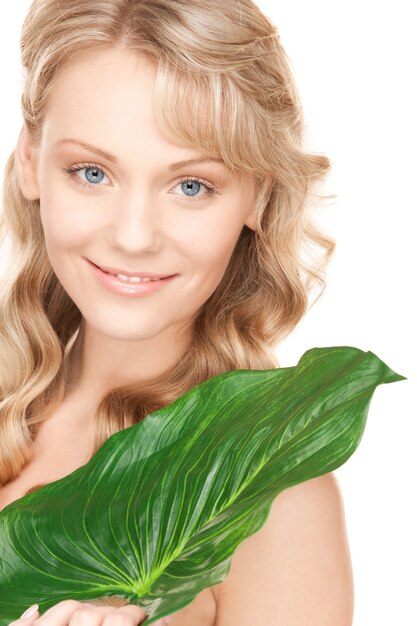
(123, 334)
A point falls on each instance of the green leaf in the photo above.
(157, 512)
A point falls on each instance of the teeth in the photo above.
(134, 279)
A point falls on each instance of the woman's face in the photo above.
(135, 210)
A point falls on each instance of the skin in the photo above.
(71, 612)
(138, 217)
(296, 569)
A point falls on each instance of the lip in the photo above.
(130, 290)
(116, 270)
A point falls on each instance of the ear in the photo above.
(250, 193)
(251, 219)
(25, 158)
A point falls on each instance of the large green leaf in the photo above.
(157, 512)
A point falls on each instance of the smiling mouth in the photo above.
(130, 276)
(129, 286)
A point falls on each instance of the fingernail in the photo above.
(167, 619)
(30, 611)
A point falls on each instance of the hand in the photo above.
(73, 613)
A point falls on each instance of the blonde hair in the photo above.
(223, 84)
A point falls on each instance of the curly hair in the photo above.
(223, 84)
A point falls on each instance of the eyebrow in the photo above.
(113, 159)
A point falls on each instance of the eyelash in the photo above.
(72, 173)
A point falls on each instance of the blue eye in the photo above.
(93, 174)
(187, 187)
(191, 185)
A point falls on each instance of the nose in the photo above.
(135, 226)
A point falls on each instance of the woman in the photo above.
(162, 141)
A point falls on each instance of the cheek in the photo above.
(66, 217)
(63, 227)
(212, 251)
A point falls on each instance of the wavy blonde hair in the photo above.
(224, 84)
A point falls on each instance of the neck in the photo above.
(98, 363)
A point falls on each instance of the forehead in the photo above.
(110, 86)
(107, 100)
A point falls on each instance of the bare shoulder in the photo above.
(297, 568)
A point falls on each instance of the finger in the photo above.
(28, 617)
(60, 614)
(164, 620)
(88, 615)
(130, 614)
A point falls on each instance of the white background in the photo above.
(354, 65)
